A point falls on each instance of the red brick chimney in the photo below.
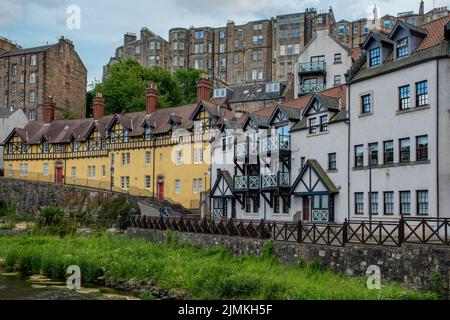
(204, 87)
(152, 96)
(49, 110)
(99, 106)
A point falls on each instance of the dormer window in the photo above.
(402, 48)
(148, 134)
(220, 93)
(24, 148)
(125, 135)
(273, 87)
(45, 148)
(374, 57)
(75, 146)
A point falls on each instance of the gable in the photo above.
(278, 117)
(222, 187)
(314, 107)
(313, 180)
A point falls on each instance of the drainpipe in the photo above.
(348, 151)
(153, 167)
(437, 140)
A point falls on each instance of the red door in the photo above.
(160, 191)
(59, 174)
(306, 208)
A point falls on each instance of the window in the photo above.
(14, 70)
(402, 48)
(257, 55)
(200, 185)
(389, 203)
(359, 203)
(324, 123)
(405, 203)
(22, 77)
(297, 49)
(282, 50)
(126, 159)
(337, 80)
(373, 153)
(313, 126)
(125, 183)
(10, 170)
(148, 182)
(366, 104)
(33, 60)
(33, 78)
(341, 30)
(91, 172)
(257, 27)
(332, 162)
(45, 148)
(388, 152)
(148, 134)
(273, 87)
(24, 148)
(257, 74)
(387, 24)
(75, 147)
(276, 204)
(405, 150)
(374, 57)
(337, 58)
(199, 34)
(103, 171)
(422, 203)
(178, 157)
(59, 147)
(32, 96)
(359, 156)
(198, 155)
(195, 186)
(198, 64)
(405, 97)
(422, 94)
(422, 148)
(125, 135)
(177, 186)
(148, 157)
(374, 203)
(103, 144)
(45, 169)
(222, 48)
(222, 34)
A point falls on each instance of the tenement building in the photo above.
(27, 76)
(373, 149)
(157, 153)
(9, 119)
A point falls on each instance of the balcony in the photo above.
(282, 143)
(312, 67)
(275, 180)
(243, 150)
(246, 183)
(305, 89)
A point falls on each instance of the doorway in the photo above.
(59, 173)
(306, 208)
(160, 189)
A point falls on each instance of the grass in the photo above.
(206, 274)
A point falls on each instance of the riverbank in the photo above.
(170, 271)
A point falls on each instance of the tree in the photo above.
(126, 83)
(67, 114)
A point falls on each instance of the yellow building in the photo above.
(159, 153)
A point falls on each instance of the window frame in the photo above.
(420, 150)
(422, 94)
(374, 60)
(404, 97)
(388, 205)
(386, 153)
(366, 103)
(359, 156)
(359, 204)
(401, 151)
(420, 204)
(332, 161)
(403, 203)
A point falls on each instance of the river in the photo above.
(16, 287)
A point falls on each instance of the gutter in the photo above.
(437, 139)
(348, 151)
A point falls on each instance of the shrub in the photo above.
(115, 208)
(53, 220)
(8, 209)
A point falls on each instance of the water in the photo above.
(15, 287)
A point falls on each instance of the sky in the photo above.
(102, 23)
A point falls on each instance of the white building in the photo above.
(308, 159)
(8, 121)
(399, 114)
(323, 63)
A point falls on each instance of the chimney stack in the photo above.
(99, 106)
(422, 8)
(49, 110)
(152, 96)
(204, 87)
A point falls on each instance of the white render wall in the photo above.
(17, 120)
(386, 124)
(324, 45)
(317, 147)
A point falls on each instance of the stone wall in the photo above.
(410, 264)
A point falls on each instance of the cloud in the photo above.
(260, 8)
(14, 10)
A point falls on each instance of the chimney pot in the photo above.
(204, 87)
(99, 106)
(49, 110)
(152, 97)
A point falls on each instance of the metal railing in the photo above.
(277, 143)
(310, 67)
(276, 180)
(245, 183)
(430, 231)
(310, 88)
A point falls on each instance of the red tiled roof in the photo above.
(435, 31)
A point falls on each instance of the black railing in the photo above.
(432, 231)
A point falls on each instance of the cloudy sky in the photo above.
(103, 22)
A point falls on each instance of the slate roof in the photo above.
(26, 51)
(322, 174)
(432, 46)
(5, 112)
(254, 92)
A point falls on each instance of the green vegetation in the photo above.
(124, 88)
(8, 214)
(53, 220)
(206, 274)
(68, 114)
